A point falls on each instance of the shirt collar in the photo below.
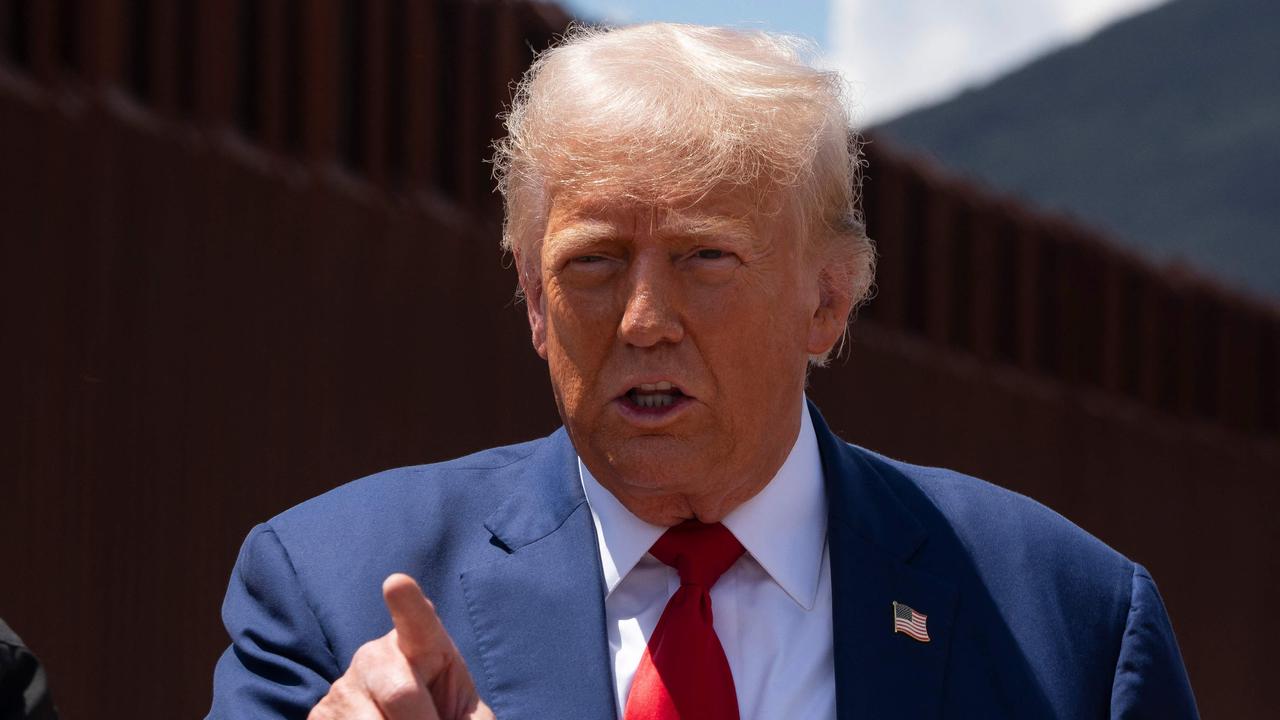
(784, 527)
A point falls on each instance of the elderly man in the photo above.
(694, 543)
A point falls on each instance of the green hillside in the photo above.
(1163, 130)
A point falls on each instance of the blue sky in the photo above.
(896, 54)
(798, 17)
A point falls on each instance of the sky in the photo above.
(897, 55)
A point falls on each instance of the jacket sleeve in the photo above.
(24, 691)
(279, 664)
(1150, 680)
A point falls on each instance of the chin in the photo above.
(658, 463)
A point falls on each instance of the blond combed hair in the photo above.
(666, 114)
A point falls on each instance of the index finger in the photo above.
(419, 634)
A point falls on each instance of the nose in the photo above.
(651, 315)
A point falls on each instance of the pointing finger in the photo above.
(424, 642)
(420, 635)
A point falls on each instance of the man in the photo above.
(681, 204)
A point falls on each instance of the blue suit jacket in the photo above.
(1030, 617)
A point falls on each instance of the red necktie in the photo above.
(684, 673)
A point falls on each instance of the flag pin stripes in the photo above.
(910, 623)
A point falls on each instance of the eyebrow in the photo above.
(733, 229)
(585, 232)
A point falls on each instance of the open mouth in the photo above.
(654, 396)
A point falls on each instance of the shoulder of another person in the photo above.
(23, 688)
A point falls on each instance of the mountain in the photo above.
(1162, 130)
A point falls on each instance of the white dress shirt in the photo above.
(772, 608)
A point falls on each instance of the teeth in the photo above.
(654, 395)
(654, 401)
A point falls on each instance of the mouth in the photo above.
(653, 401)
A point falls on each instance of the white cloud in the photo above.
(899, 54)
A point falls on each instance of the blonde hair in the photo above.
(666, 114)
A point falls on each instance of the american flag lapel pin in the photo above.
(910, 623)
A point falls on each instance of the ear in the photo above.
(531, 287)
(831, 316)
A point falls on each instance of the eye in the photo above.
(712, 265)
(587, 270)
(710, 254)
(712, 257)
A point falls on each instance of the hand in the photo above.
(413, 672)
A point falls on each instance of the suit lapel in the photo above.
(872, 538)
(538, 612)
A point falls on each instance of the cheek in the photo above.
(752, 338)
(579, 335)
(750, 319)
(579, 320)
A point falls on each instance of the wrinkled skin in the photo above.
(715, 298)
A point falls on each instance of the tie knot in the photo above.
(698, 551)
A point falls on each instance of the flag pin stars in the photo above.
(910, 623)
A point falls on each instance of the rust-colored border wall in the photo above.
(970, 271)
(224, 292)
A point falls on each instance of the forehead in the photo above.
(735, 216)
